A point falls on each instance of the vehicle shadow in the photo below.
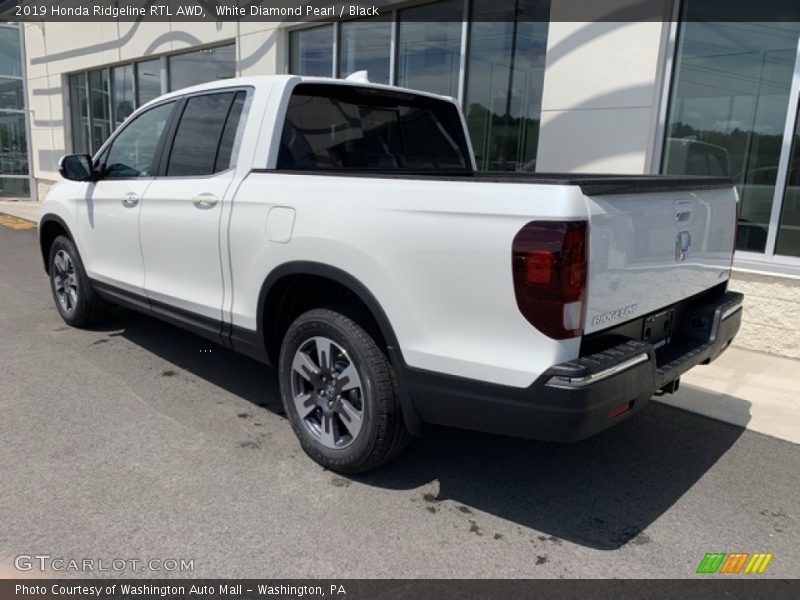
(238, 374)
(602, 492)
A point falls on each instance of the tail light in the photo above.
(549, 266)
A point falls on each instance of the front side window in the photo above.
(205, 134)
(352, 128)
(133, 150)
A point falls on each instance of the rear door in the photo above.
(648, 250)
(182, 209)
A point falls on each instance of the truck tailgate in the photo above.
(650, 249)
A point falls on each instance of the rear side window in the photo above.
(204, 138)
(362, 129)
(229, 133)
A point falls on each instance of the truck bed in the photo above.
(591, 184)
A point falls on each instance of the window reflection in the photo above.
(788, 242)
(79, 105)
(364, 46)
(14, 167)
(11, 96)
(504, 84)
(10, 53)
(148, 81)
(201, 66)
(14, 187)
(13, 144)
(728, 110)
(311, 51)
(429, 52)
(123, 93)
(99, 103)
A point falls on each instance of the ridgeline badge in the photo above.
(613, 315)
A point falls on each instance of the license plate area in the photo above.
(657, 329)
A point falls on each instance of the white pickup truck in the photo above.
(339, 231)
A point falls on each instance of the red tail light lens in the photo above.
(549, 265)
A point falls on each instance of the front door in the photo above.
(108, 218)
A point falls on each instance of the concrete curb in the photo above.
(745, 388)
(28, 210)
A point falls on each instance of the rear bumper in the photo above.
(576, 399)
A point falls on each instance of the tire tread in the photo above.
(392, 436)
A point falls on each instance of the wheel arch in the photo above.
(50, 227)
(276, 292)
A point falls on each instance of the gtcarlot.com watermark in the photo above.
(46, 562)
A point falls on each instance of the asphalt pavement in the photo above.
(138, 441)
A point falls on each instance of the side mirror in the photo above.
(77, 167)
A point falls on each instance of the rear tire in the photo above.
(340, 393)
(76, 301)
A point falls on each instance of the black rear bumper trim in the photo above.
(568, 413)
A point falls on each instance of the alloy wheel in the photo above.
(327, 392)
(65, 281)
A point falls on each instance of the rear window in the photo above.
(364, 129)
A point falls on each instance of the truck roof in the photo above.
(265, 82)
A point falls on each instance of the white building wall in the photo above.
(54, 50)
(601, 99)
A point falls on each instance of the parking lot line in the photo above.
(15, 222)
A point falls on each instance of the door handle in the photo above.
(130, 200)
(205, 200)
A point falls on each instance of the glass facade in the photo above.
(201, 66)
(496, 70)
(363, 47)
(122, 82)
(99, 106)
(14, 162)
(505, 75)
(311, 51)
(10, 50)
(728, 111)
(148, 80)
(788, 239)
(733, 99)
(429, 52)
(101, 99)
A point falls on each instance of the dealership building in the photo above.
(692, 93)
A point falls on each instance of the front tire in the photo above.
(75, 300)
(340, 393)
